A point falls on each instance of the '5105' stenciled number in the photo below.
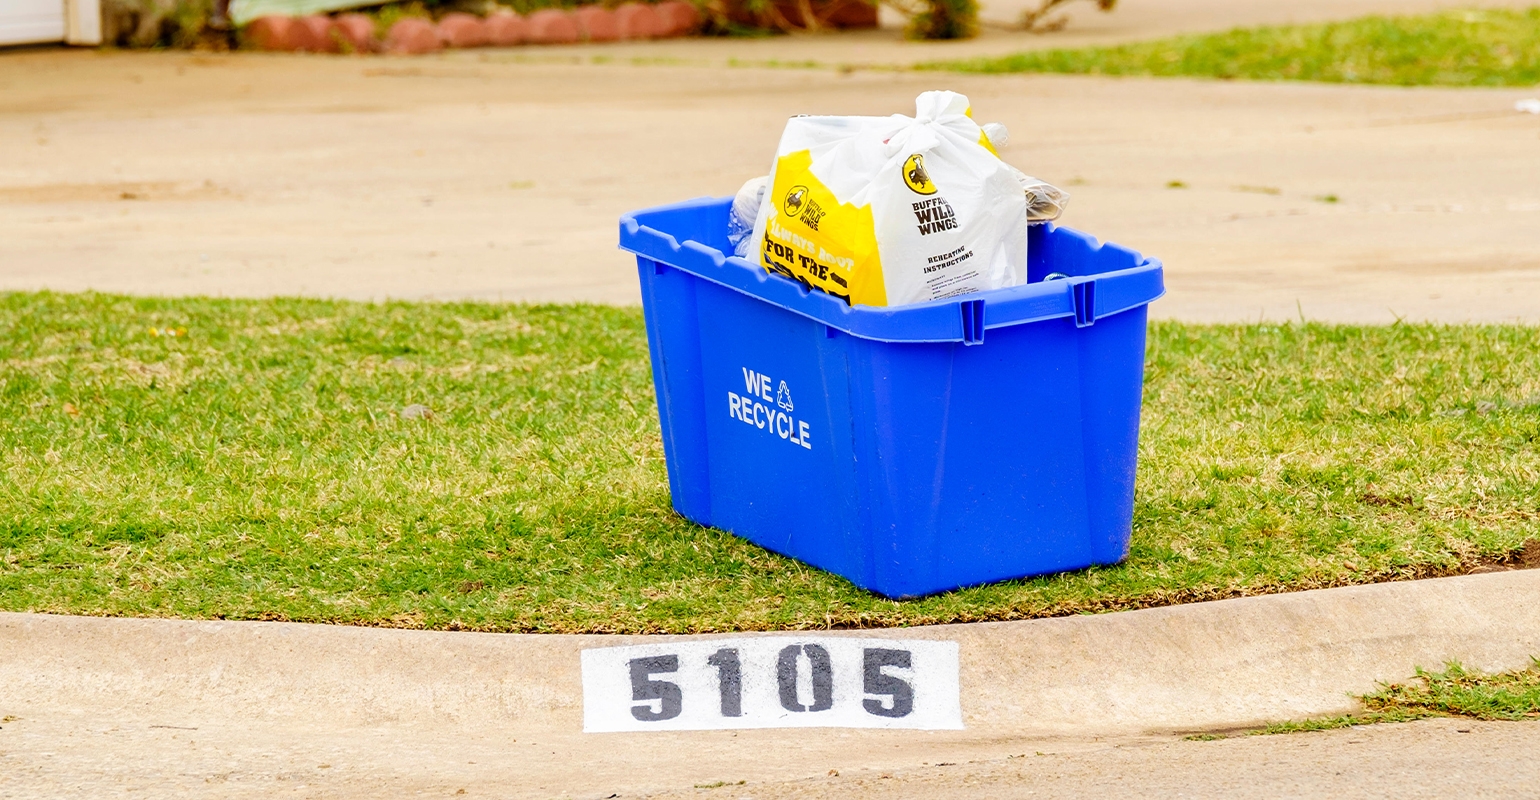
(888, 695)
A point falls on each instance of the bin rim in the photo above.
(954, 319)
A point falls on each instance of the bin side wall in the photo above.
(776, 400)
(703, 222)
(975, 456)
(1112, 388)
(669, 305)
(1069, 252)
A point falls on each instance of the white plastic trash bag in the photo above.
(886, 211)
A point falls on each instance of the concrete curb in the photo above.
(1203, 666)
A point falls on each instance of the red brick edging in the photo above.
(355, 33)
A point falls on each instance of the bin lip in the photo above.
(1115, 291)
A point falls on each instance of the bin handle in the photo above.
(972, 321)
(1083, 297)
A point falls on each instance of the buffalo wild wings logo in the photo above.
(794, 200)
(915, 176)
(799, 206)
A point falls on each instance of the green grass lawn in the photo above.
(1453, 48)
(260, 467)
(1455, 692)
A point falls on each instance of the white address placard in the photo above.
(772, 682)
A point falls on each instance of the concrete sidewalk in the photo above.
(181, 708)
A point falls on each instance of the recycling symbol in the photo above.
(783, 397)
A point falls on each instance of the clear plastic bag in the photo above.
(740, 221)
(1045, 202)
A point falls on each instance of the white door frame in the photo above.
(43, 21)
(83, 22)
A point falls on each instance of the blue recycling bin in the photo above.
(911, 450)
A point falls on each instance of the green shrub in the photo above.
(945, 19)
(155, 23)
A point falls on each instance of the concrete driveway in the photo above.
(477, 175)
